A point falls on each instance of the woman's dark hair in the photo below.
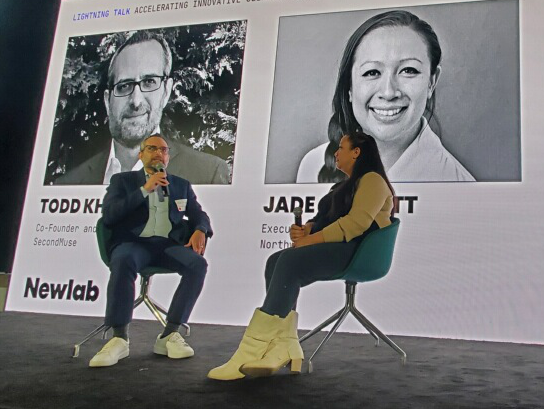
(343, 120)
(369, 160)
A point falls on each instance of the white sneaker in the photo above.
(174, 346)
(111, 353)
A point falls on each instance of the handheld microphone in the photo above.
(159, 167)
(297, 211)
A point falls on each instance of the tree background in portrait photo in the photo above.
(203, 108)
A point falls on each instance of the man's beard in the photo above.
(129, 133)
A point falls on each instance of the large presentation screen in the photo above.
(253, 97)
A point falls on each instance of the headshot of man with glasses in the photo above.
(138, 89)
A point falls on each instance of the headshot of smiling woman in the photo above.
(386, 88)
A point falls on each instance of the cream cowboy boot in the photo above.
(261, 330)
(283, 349)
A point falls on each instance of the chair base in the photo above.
(156, 309)
(339, 317)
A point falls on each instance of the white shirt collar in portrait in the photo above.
(114, 166)
(425, 160)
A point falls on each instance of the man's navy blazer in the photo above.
(126, 211)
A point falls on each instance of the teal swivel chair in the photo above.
(103, 236)
(371, 261)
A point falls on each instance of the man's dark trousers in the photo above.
(128, 258)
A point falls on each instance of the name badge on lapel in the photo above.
(181, 204)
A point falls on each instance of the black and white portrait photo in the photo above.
(117, 89)
(437, 86)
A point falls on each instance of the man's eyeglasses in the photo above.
(152, 149)
(147, 84)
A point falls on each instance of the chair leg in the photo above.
(343, 314)
(340, 316)
(163, 310)
(187, 329)
(321, 326)
(103, 327)
(138, 301)
(155, 311)
(350, 303)
(158, 306)
(367, 324)
(354, 311)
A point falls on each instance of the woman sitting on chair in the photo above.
(322, 249)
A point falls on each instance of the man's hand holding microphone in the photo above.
(158, 179)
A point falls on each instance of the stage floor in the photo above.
(37, 371)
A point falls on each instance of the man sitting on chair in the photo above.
(145, 210)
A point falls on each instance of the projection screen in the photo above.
(252, 98)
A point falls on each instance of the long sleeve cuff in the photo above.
(144, 192)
